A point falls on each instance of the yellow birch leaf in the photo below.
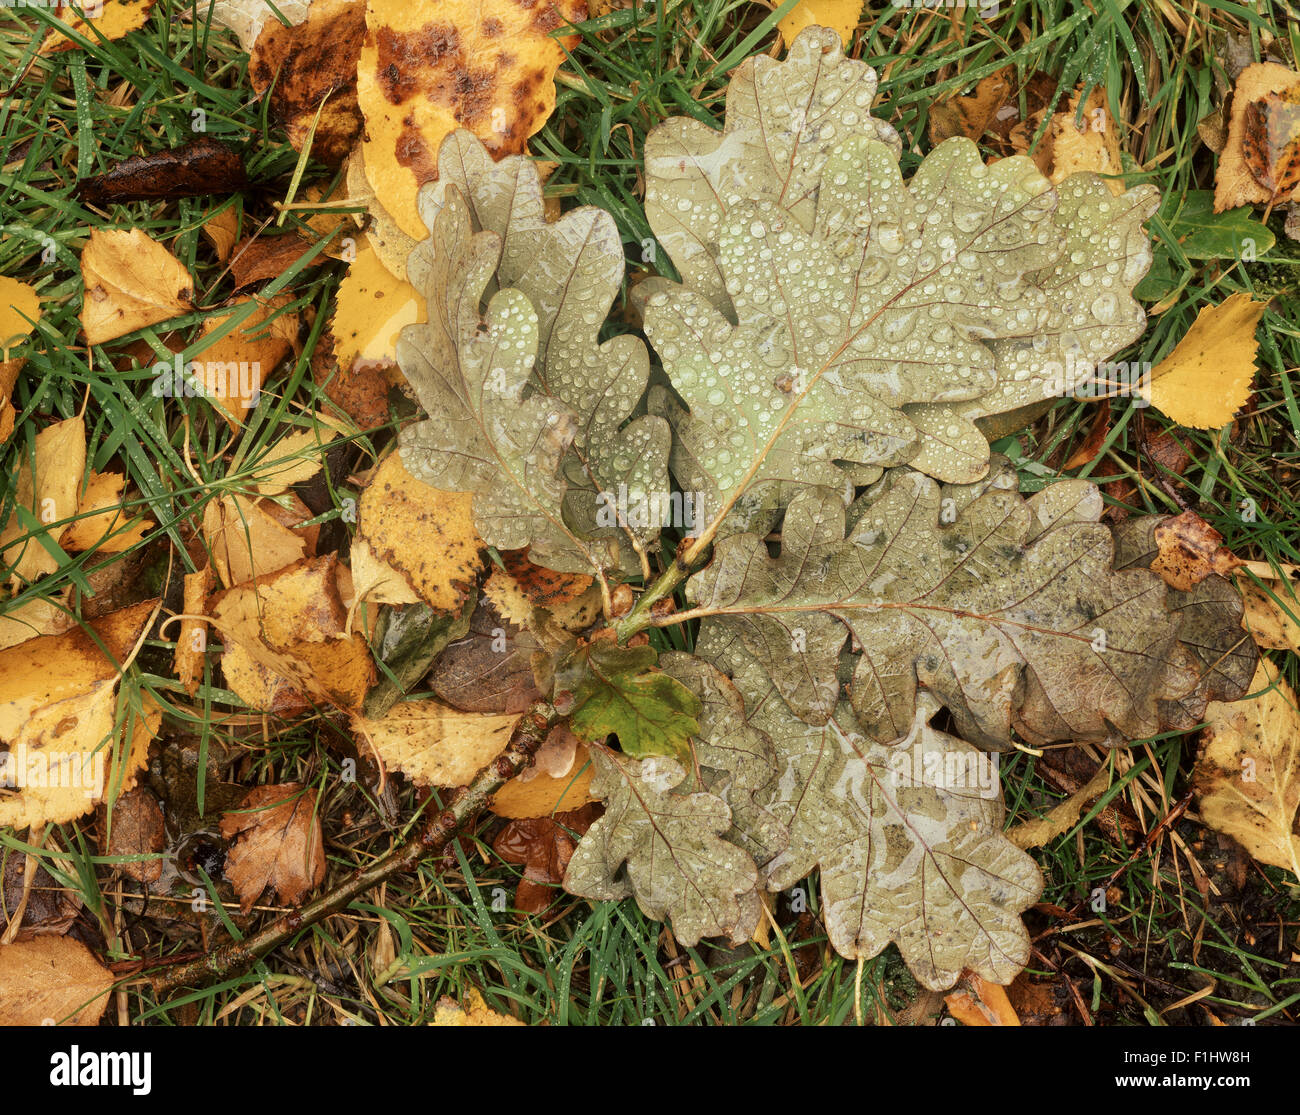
(1207, 377)
(104, 525)
(111, 18)
(20, 309)
(372, 309)
(246, 542)
(436, 745)
(1248, 775)
(233, 369)
(48, 489)
(448, 1012)
(841, 16)
(131, 281)
(485, 65)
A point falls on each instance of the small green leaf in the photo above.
(612, 689)
(1204, 234)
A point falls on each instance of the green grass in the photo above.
(389, 959)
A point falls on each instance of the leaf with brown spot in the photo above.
(435, 745)
(131, 281)
(485, 65)
(414, 543)
(1248, 775)
(1271, 140)
(276, 842)
(371, 309)
(112, 20)
(1263, 85)
(1189, 551)
(310, 65)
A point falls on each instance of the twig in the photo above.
(430, 839)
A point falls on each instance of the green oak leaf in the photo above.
(607, 690)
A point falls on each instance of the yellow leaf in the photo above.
(538, 792)
(48, 489)
(131, 281)
(52, 980)
(192, 638)
(485, 65)
(20, 309)
(1234, 184)
(436, 745)
(105, 525)
(841, 16)
(58, 700)
(450, 1013)
(1091, 146)
(295, 457)
(1207, 377)
(372, 309)
(246, 542)
(114, 19)
(221, 230)
(383, 233)
(1248, 775)
(40, 616)
(414, 543)
(1268, 621)
(233, 369)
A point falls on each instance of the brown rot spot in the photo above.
(491, 28)
(413, 152)
(471, 94)
(403, 58)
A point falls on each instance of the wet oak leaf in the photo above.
(484, 65)
(276, 842)
(1008, 610)
(915, 308)
(665, 848)
(907, 835)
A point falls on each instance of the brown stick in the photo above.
(430, 838)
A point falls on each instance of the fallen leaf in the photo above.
(296, 457)
(111, 20)
(841, 16)
(1247, 778)
(103, 523)
(267, 257)
(192, 638)
(1097, 431)
(311, 72)
(46, 491)
(276, 842)
(1235, 183)
(542, 846)
(1090, 145)
(138, 828)
(49, 909)
(971, 116)
(221, 230)
(245, 540)
(485, 65)
(435, 745)
(246, 18)
(1037, 831)
(414, 543)
(43, 615)
(1190, 550)
(58, 703)
(202, 166)
(1271, 141)
(383, 233)
(20, 310)
(980, 1003)
(1272, 613)
(52, 981)
(490, 668)
(286, 642)
(233, 368)
(371, 309)
(1206, 379)
(546, 793)
(131, 281)
(450, 1013)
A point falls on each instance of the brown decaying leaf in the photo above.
(1271, 140)
(543, 846)
(201, 166)
(490, 669)
(485, 65)
(1189, 551)
(971, 116)
(51, 981)
(131, 281)
(261, 258)
(138, 829)
(1097, 431)
(279, 844)
(221, 230)
(309, 65)
(1234, 182)
(247, 18)
(50, 910)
